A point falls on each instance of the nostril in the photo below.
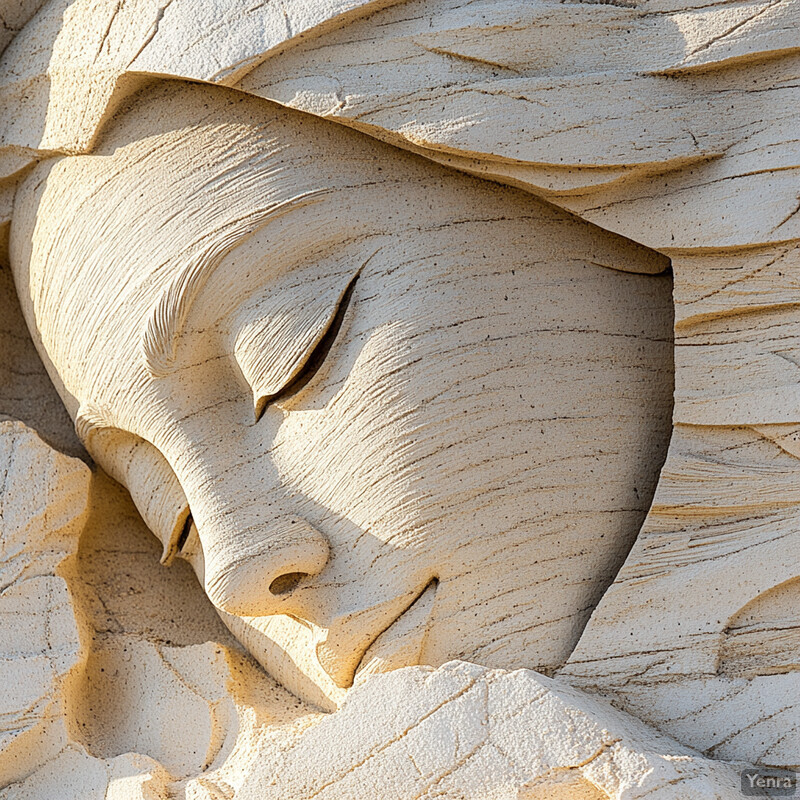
(286, 583)
(267, 570)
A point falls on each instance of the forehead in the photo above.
(182, 162)
(179, 167)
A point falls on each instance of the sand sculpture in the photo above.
(444, 353)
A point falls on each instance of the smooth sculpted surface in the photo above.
(443, 353)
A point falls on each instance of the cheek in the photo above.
(344, 441)
(415, 417)
(489, 410)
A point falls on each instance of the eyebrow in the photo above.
(160, 338)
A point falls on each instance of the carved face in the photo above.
(401, 404)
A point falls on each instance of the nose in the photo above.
(259, 574)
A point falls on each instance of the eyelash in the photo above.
(317, 356)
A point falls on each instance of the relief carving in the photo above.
(446, 350)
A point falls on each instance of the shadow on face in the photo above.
(414, 416)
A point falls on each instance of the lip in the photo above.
(349, 655)
(400, 645)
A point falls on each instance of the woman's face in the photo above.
(413, 408)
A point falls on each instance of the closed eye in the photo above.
(316, 358)
(310, 367)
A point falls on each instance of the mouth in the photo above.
(398, 644)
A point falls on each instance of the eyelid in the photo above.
(288, 312)
(316, 356)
